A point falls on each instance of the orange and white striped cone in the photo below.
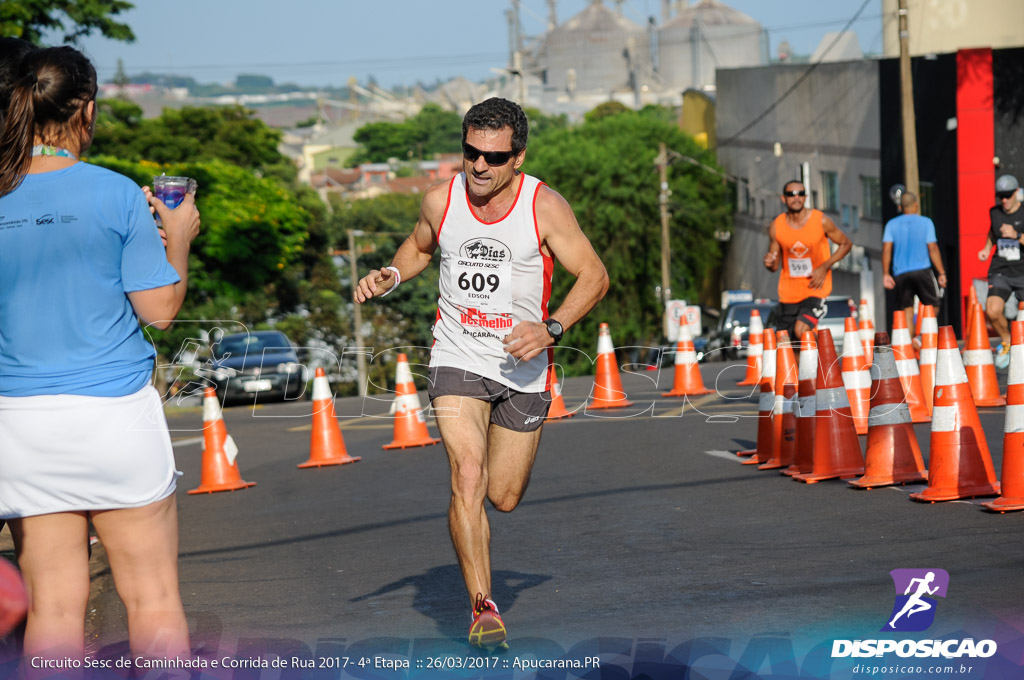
(766, 404)
(220, 469)
(607, 392)
(866, 329)
(929, 349)
(836, 448)
(856, 376)
(410, 425)
(979, 363)
(783, 415)
(326, 446)
(755, 348)
(687, 381)
(972, 300)
(1020, 314)
(910, 373)
(1012, 474)
(557, 410)
(893, 455)
(806, 412)
(959, 464)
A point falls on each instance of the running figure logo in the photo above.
(914, 609)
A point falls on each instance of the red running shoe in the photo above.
(487, 630)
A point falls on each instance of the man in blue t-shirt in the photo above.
(908, 245)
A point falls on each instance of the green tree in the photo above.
(605, 169)
(31, 19)
(189, 134)
(431, 131)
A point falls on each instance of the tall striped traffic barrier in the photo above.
(766, 404)
(607, 391)
(1012, 474)
(893, 455)
(959, 464)
(980, 364)
(687, 381)
(929, 350)
(906, 365)
(806, 412)
(856, 376)
(755, 349)
(836, 448)
(783, 414)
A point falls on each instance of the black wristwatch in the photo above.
(555, 329)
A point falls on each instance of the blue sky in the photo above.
(325, 42)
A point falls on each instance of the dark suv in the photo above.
(729, 339)
(257, 365)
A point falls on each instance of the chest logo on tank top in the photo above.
(481, 276)
(799, 261)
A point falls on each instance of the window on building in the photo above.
(830, 191)
(850, 218)
(927, 194)
(871, 194)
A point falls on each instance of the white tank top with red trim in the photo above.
(493, 275)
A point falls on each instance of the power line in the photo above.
(799, 80)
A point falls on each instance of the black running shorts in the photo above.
(516, 411)
(1000, 285)
(808, 310)
(920, 282)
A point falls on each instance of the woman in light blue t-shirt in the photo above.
(82, 432)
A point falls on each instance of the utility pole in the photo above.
(357, 311)
(663, 194)
(910, 176)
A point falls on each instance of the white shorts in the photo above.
(63, 453)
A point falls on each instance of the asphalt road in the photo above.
(639, 527)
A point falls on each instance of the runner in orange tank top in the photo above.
(799, 243)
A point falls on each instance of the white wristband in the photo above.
(398, 280)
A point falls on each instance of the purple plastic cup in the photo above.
(172, 190)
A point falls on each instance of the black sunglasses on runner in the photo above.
(794, 193)
(1005, 194)
(490, 157)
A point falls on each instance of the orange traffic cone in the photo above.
(929, 349)
(766, 404)
(220, 472)
(978, 362)
(972, 299)
(893, 455)
(557, 409)
(866, 329)
(906, 365)
(783, 416)
(959, 464)
(13, 597)
(1012, 476)
(755, 348)
(607, 391)
(687, 380)
(1020, 314)
(856, 376)
(836, 449)
(803, 461)
(327, 446)
(410, 425)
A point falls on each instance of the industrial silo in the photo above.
(596, 50)
(706, 36)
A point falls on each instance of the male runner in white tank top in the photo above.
(499, 231)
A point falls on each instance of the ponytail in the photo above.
(48, 101)
(18, 133)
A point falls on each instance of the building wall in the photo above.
(939, 26)
(831, 121)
